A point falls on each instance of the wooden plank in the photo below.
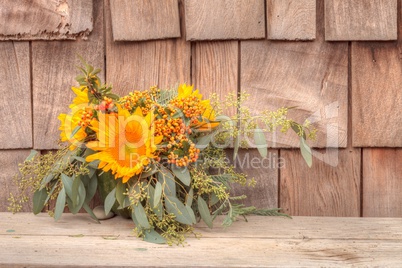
(224, 19)
(291, 19)
(215, 68)
(331, 187)
(264, 171)
(382, 182)
(271, 246)
(140, 65)
(376, 94)
(360, 20)
(298, 227)
(310, 76)
(15, 104)
(136, 20)
(45, 20)
(9, 160)
(54, 69)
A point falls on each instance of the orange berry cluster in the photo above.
(106, 104)
(179, 149)
(191, 106)
(192, 157)
(86, 118)
(142, 99)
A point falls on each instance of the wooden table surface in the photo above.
(77, 241)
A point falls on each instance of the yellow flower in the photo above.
(125, 143)
(68, 124)
(192, 105)
(81, 96)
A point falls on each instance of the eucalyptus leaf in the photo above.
(79, 158)
(90, 212)
(31, 155)
(74, 190)
(91, 189)
(204, 211)
(68, 184)
(75, 130)
(203, 141)
(60, 204)
(94, 164)
(153, 237)
(139, 213)
(157, 194)
(110, 200)
(48, 178)
(166, 178)
(39, 199)
(182, 174)
(148, 173)
(120, 191)
(306, 152)
(189, 198)
(75, 208)
(261, 142)
(175, 206)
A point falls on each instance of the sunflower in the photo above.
(193, 106)
(81, 96)
(68, 125)
(125, 144)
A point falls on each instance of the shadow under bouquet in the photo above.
(156, 156)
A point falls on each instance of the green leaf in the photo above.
(192, 215)
(79, 158)
(261, 142)
(139, 213)
(203, 141)
(306, 152)
(148, 173)
(213, 199)
(120, 191)
(46, 180)
(31, 155)
(74, 190)
(80, 199)
(175, 206)
(68, 184)
(110, 200)
(39, 199)
(182, 174)
(60, 204)
(236, 147)
(75, 130)
(204, 211)
(153, 237)
(189, 198)
(156, 208)
(90, 212)
(298, 129)
(94, 164)
(91, 189)
(157, 194)
(166, 178)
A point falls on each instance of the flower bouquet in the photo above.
(156, 156)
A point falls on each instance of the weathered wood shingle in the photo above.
(46, 20)
(360, 20)
(15, 101)
(224, 19)
(376, 94)
(140, 65)
(291, 19)
(382, 183)
(54, 69)
(135, 20)
(331, 187)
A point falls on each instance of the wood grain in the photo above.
(376, 94)
(45, 20)
(215, 68)
(382, 182)
(224, 19)
(15, 103)
(260, 242)
(291, 19)
(9, 160)
(54, 70)
(310, 76)
(331, 187)
(135, 20)
(360, 20)
(140, 65)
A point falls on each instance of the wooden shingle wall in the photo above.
(336, 61)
